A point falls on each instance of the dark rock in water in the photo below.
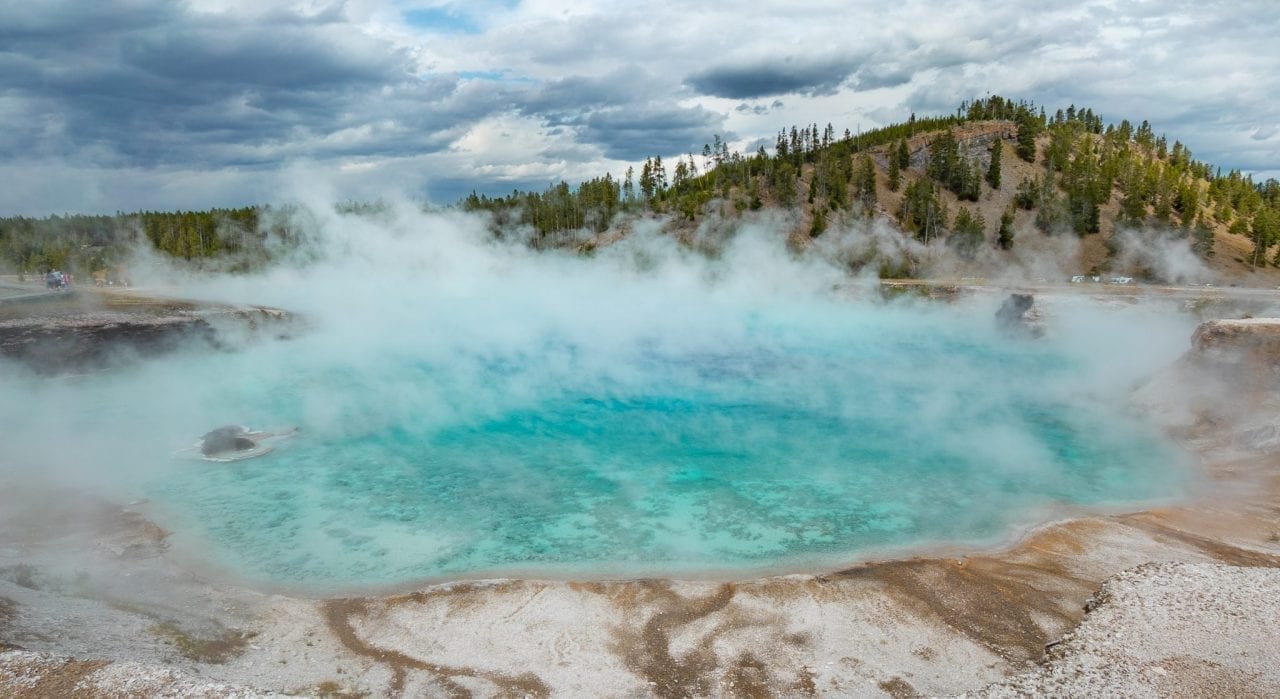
(223, 439)
(1018, 316)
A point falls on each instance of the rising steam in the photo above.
(421, 324)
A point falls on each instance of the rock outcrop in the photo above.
(1019, 316)
(1243, 349)
(87, 331)
(1227, 381)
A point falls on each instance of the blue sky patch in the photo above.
(441, 20)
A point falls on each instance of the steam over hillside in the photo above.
(999, 189)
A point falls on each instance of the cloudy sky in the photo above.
(112, 105)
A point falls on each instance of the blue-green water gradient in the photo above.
(794, 439)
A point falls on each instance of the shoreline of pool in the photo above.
(103, 603)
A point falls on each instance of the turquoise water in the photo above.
(780, 439)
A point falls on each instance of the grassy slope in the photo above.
(1085, 254)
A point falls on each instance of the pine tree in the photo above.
(647, 181)
(972, 188)
(944, 159)
(895, 172)
(993, 170)
(1054, 214)
(922, 213)
(1202, 238)
(1133, 207)
(819, 223)
(1266, 232)
(784, 183)
(1093, 217)
(1028, 128)
(903, 154)
(967, 234)
(1028, 194)
(1004, 236)
(1188, 202)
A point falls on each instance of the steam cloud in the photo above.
(427, 319)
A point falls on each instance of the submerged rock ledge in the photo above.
(1182, 600)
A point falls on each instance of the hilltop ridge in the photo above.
(1095, 198)
(999, 188)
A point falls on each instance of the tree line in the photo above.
(90, 244)
(1085, 165)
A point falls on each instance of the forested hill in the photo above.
(996, 175)
(101, 244)
(985, 185)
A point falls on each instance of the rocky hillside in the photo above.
(997, 189)
(1071, 195)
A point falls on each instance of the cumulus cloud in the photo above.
(641, 130)
(767, 78)
(127, 92)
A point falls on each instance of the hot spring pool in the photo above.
(782, 440)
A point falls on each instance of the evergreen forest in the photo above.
(981, 178)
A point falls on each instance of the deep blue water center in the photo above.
(789, 440)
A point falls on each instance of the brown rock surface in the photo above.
(1250, 343)
(64, 332)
